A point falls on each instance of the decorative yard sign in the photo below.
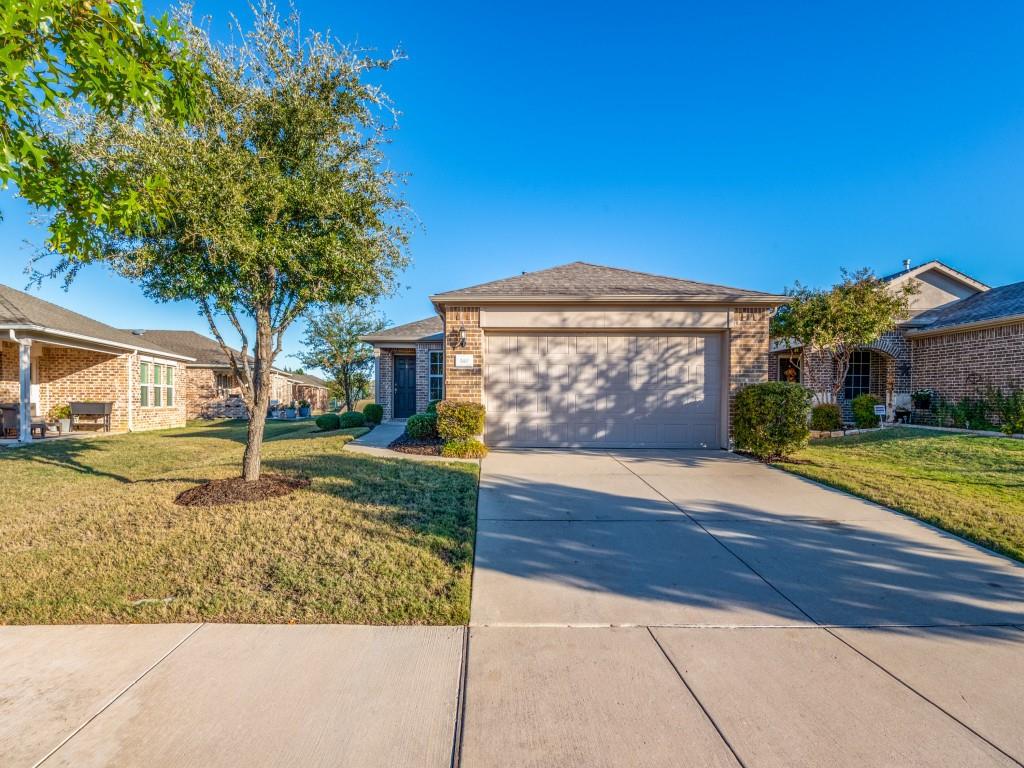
(463, 361)
(879, 410)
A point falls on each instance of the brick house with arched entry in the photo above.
(962, 338)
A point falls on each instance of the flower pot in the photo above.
(305, 412)
(65, 426)
(289, 413)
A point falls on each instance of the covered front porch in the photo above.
(41, 376)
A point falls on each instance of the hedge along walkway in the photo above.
(970, 485)
(89, 533)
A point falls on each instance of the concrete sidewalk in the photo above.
(228, 695)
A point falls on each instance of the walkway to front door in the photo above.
(405, 386)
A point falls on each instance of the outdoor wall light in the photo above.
(461, 340)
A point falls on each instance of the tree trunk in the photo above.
(261, 399)
(346, 384)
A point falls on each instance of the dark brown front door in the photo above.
(405, 386)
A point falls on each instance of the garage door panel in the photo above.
(603, 390)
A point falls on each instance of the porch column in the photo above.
(25, 381)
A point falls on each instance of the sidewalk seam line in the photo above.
(913, 690)
(460, 706)
(700, 703)
(827, 628)
(117, 696)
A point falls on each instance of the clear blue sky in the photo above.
(748, 144)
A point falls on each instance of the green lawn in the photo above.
(971, 486)
(89, 533)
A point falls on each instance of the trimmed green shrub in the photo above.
(464, 448)
(771, 419)
(432, 406)
(864, 411)
(827, 417)
(328, 421)
(352, 419)
(459, 420)
(374, 413)
(422, 426)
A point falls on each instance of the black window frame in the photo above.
(858, 375)
(786, 361)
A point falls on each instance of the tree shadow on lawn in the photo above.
(854, 574)
(79, 456)
(435, 501)
(236, 430)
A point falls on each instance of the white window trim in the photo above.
(432, 376)
(165, 364)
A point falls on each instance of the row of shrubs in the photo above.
(372, 414)
(457, 424)
(828, 417)
(991, 410)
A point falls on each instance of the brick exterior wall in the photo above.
(317, 396)
(748, 350)
(967, 363)
(464, 384)
(204, 401)
(67, 375)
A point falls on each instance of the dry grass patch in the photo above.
(90, 533)
(969, 485)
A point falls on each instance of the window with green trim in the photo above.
(156, 384)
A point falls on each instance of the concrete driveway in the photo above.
(629, 609)
(678, 608)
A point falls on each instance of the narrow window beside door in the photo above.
(436, 375)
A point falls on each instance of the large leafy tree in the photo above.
(828, 325)
(332, 342)
(105, 55)
(278, 197)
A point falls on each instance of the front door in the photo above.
(405, 386)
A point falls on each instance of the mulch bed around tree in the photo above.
(406, 444)
(235, 490)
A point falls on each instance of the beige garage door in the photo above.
(607, 391)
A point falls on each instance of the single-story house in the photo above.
(962, 338)
(583, 355)
(50, 356)
(313, 389)
(211, 389)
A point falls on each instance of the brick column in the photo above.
(464, 384)
(386, 383)
(748, 351)
(422, 377)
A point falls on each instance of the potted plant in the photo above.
(922, 399)
(305, 409)
(62, 415)
(291, 410)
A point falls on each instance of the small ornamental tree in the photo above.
(278, 196)
(332, 342)
(829, 325)
(105, 56)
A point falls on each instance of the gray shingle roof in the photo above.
(582, 280)
(935, 263)
(427, 329)
(1005, 301)
(205, 350)
(308, 379)
(20, 309)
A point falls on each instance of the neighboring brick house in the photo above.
(961, 339)
(50, 356)
(583, 355)
(311, 388)
(211, 388)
